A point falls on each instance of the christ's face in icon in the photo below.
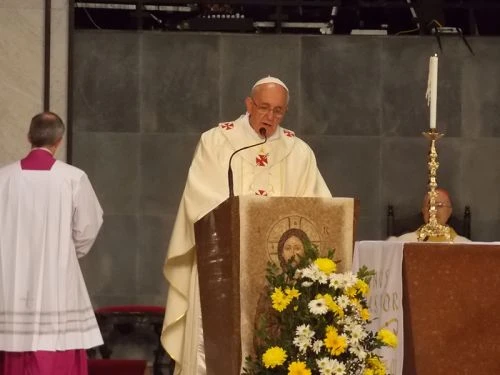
(292, 248)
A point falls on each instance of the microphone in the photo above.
(262, 132)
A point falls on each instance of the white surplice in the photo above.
(284, 166)
(413, 237)
(48, 218)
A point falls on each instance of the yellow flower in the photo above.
(337, 344)
(362, 287)
(330, 303)
(365, 314)
(292, 293)
(351, 292)
(368, 371)
(387, 337)
(274, 356)
(327, 297)
(326, 265)
(376, 365)
(331, 329)
(298, 368)
(280, 300)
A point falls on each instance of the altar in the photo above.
(449, 305)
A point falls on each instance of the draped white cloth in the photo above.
(48, 218)
(385, 298)
(284, 166)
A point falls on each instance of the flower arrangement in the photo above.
(316, 321)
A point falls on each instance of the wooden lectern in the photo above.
(234, 243)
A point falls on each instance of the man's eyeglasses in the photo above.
(265, 109)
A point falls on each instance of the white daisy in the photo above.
(323, 362)
(311, 272)
(317, 345)
(303, 343)
(336, 281)
(342, 301)
(357, 332)
(328, 366)
(358, 351)
(323, 279)
(338, 368)
(318, 306)
(304, 330)
(347, 320)
(349, 279)
(308, 273)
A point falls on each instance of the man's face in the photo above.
(267, 107)
(443, 208)
(292, 247)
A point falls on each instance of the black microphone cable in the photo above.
(263, 133)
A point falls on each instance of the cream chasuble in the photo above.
(284, 166)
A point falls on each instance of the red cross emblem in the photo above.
(261, 160)
(227, 125)
(289, 133)
(261, 192)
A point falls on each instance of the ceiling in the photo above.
(392, 17)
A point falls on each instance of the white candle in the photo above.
(433, 79)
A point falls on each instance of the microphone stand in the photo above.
(262, 132)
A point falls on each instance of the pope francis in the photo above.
(283, 166)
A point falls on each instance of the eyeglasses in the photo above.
(265, 109)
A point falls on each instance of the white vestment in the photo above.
(413, 237)
(48, 218)
(284, 166)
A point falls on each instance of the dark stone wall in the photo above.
(141, 101)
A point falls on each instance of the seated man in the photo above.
(443, 213)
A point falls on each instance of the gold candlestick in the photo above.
(433, 228)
